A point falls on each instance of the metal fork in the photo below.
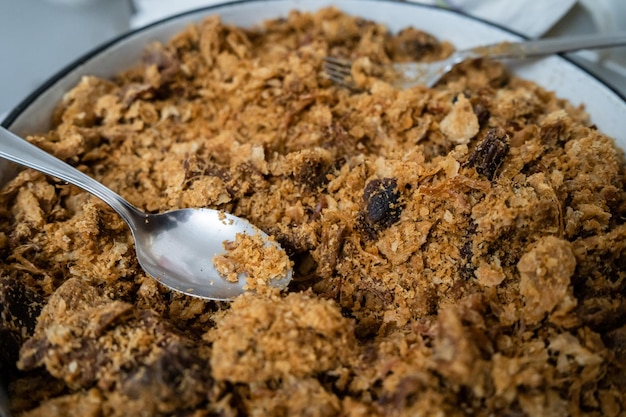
(413, 73)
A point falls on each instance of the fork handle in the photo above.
(550, 46)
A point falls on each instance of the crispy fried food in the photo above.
(459, 250)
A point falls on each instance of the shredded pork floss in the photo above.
(458, 251)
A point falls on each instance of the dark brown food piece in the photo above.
(490, 153)
(382, 202)
(411, 44)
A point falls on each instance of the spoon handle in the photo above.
(18, 150)
(549, 46)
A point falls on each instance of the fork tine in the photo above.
(339, 70)
(338, 62)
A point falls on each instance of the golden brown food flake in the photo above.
(250, 255)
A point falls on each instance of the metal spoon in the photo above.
(176, 248)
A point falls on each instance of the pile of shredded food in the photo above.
(457, 251)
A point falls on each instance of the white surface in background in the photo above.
(530, 18)
(148, 11)
(39, 38)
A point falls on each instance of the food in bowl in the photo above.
(457, 250)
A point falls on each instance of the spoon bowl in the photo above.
(176, 248)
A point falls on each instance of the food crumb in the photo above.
(251, 256)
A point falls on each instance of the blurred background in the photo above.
(40, 37)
